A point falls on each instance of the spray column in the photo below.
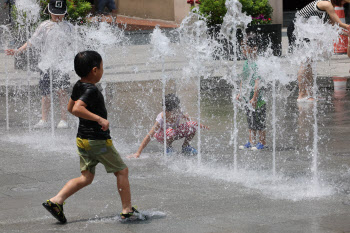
(160, 49)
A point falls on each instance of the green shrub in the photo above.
(215, 10)
(260, 10)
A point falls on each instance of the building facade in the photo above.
(174, 10)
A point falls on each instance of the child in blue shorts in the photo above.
(93, 139)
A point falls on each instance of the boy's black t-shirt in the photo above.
(93, 98)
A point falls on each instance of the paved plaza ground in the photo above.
(181, 193)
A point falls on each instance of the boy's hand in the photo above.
(10, 52)
(253, 103)
(136, 155)
(346, 32)
(204, 127)
(104, 123)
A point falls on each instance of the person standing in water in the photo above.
(52, 38)
(324, 9)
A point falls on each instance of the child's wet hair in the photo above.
(172, 102)
(85, 61)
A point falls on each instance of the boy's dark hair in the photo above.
(252, 40)
(85, 61)
(171, 102)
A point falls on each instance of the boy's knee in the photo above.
(87, 177)
(124, 172)
(88, 181)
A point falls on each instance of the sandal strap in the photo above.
(128, 215)
(135, 210)
(59, 206)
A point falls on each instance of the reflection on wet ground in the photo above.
(133, 106)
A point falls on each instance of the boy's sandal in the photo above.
(56, 210)
(128, 215)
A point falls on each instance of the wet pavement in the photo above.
(179, 193)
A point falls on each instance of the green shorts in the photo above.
(92, 152)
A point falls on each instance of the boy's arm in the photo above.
(79, 110)
(239, 92)
(16, 51)
(256, 93)
(70, 105)
(146, 140)
(33, 41)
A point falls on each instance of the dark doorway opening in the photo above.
(294, 5)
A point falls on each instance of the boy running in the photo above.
(93, 138)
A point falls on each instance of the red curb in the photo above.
(134, 24)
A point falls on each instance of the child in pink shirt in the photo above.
(174, 130)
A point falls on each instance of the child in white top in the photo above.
(53, 38)
(174, 130)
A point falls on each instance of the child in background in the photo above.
(255, 105)
(174, 130)
(9, 3)
(93, 138)
(52, 39)
(110, 4)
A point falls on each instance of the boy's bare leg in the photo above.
(252, 136)
(305, 79)
(62, 95)
(45, 107)
(73, 186)
(262, 137)
(124, 189)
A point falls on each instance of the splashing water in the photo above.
(161, 49)
(6, 36)
(314, 40)
(28, 11)
(160, 45)
(198, 48)
(314, 43)
(100, 37)
(233, 20)
(274, 187)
